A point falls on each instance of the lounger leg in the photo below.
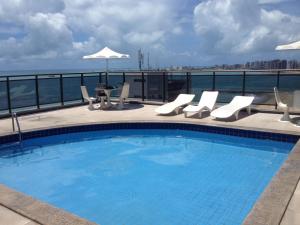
(200, 114)
(249, 110)
(177, 110)
(237, 115)
(185, 114)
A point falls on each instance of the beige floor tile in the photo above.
(8, 217)
(295, 203)
(291, 218)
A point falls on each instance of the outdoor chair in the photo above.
(86, 97)
(285, 117)
(123, 96)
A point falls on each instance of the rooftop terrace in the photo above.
(142, 112)
(30, 95)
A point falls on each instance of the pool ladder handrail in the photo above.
(14, 118)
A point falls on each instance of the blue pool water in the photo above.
(143, 177)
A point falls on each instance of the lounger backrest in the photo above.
(277, 97)
(125, 91)
(241, 101)
(209, 99)
(183, 99)
(84, 93)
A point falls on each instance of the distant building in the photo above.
(255, 65)
(293, 64)
(261, 65)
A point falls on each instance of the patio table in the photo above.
(107, 91)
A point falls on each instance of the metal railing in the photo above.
(14, 118)
(36, 92)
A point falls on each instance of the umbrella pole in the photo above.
(106, 74)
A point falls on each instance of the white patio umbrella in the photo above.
(107, 54)
(291, 46)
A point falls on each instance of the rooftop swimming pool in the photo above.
(145, 176)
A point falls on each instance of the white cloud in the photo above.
(15, 11)
(177, 30)
(37, 29)
(271, 1)
(40, 28)
(242, 26)
(123, 21)
(68, 29)
(46, 36)
(144, 38)
(47, 32)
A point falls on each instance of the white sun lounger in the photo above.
(237, 103)
(207, 102)
(181, 100)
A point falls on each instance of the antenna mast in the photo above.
(140, 59)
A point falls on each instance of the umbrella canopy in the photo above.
(106, 53)
(291, 46)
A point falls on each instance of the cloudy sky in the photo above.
(55, 34)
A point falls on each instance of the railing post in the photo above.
(37, 95)
(100, 78)
(278, 77)
(214, 81)
(81, 79)
(61, 89)
(81, 83)
(187, 82)
(106, 78)
(8, 94)
(164, 86)
(277, 85)
(123, 77)
(244, 83)
(143, 86)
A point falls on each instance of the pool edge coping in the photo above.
(268, 209)
(36, 210)
(203, 124)
(274, 201)
(200, 123)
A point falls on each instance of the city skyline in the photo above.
(57, 33)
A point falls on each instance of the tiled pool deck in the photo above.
(265, 212)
